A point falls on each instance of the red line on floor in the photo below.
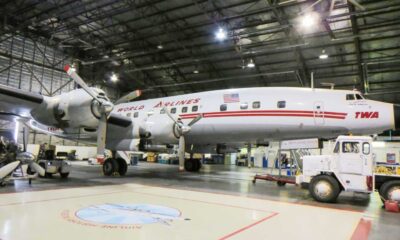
(362, 230)
(311, 204)
(247, 227)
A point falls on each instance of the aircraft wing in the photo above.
(17, 103)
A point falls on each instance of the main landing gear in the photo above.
(192, 165)
(115, 166)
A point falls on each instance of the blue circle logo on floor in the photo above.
(123, 214)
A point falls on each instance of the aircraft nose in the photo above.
(396, 113)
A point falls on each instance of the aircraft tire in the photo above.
(324, 188)
(189, 165)
(110, 166)
(122, 166)
(197, 165)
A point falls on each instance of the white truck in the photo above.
(351, 167)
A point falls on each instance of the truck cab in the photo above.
(350, 167)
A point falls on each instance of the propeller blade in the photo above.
(130, 96)
(170, 116)
(79, 81)
(37, 168)
(195, 120)
(8, 169)
(181, 152)
(101, 136)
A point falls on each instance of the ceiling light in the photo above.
(323, 55)
(114, 77)
(196, 71)
(159, 46)
(309, 20)
(220, 34)
(251, 64)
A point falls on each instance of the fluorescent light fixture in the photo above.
(323, 55)
(251, 64)
(159, 46)
(114, 77)
(220, 34)
(196, 71)
(309, 20)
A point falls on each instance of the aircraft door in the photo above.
(319, 117)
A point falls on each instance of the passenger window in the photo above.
(173, 110)
(195, 108)
(281, 104)
(162, 111)
(350, 147)
(184, 109)
(244, 106)
(337, 147)
(358, 96)
(129, 114)
(350, 97)
(256, 104)
(366, 148)
(223, 107)
(136, 114)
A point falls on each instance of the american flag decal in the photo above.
(231, 98)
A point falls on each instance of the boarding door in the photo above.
(319, 117)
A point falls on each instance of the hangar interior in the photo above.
(176, 47)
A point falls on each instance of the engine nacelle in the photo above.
(72, 109)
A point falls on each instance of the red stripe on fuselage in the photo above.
(268, 113)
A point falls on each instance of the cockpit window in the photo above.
(350, 97)
(359, 97)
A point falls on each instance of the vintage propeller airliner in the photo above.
(218, 121)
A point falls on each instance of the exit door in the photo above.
(319, 117)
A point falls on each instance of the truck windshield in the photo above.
(336, 150)
(350, 147)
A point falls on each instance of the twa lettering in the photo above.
(367, 114)
(177, 103)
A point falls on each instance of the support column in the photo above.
(249, 155)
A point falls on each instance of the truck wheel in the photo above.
(122, 166)
(390, 190)
(110, 166)
(324, 188)
(64, 175)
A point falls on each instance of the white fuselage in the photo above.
(259, 115)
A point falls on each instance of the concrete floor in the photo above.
(220, 202)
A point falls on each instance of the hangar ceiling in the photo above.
(170, 47)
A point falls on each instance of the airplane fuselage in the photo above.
(259, 115)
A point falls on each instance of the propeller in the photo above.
(128, 97)
(182, 129)
(29, 158)
(8, 169)
(104, 109)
